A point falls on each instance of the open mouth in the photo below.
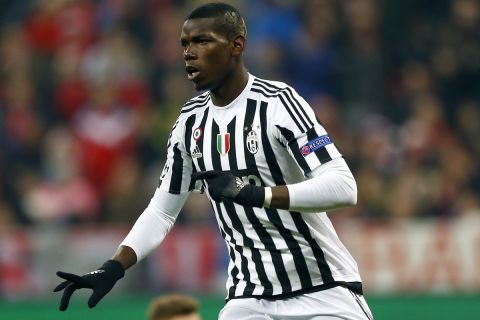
(192, 72)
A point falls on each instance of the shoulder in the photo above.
(289, 108)
(191, 107)
(279, 93)
(195, 104)
(271, 88)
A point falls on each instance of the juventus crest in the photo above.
(252, 142)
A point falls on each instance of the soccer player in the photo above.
(174, 307)
(269, 169)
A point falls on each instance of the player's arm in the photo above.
(330, 183)
(126, 256)
(148, 231)
(331, 186)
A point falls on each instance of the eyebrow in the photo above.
(195, 37)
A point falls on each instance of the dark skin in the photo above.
(218, 64)
(218, 59)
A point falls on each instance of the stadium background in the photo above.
(90, 89)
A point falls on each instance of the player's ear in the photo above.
(238, 45)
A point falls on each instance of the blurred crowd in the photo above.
(89, 91)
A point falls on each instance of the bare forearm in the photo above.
(280, 197)
(126, 256)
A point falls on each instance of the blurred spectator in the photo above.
(70, 89)
(61, 193)
(362, 59)
(15, 52)
(106, 130)
(468, 126)
(314, 71)
(126, 196)
(7, 218)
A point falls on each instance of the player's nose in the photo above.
(188, 54)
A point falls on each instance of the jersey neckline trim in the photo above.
(240, 97)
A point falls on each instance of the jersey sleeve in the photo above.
(176, 174)
(154, 223)
(297, 128)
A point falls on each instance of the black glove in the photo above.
(101, 281)
(226, 186)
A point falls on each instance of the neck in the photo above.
(230, 88)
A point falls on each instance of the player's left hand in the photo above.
(226, 186)
(101, 281)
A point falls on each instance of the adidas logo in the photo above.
(196, 153)
(97, 271)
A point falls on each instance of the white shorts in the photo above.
(335, 303)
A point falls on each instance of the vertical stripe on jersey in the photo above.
(263, 234)
(295, 148)
(169, 141)
(231, 251)
(225, 229)
(230, 207)
(296, 217)
(265, 237)
(232, 159)
(256, 256)
(200, 161)
(177, 171)
(269, 155)
(302, 227)
(215, 156)
(249, 116)
(230, 211)
(248, 243)
(322, 153)
(273, 215)
(188, 139)
(188, 132)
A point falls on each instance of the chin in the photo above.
(201, 86)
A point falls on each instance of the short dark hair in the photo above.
(226, 16)
(172, 305)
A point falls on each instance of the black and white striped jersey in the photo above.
(268, 136)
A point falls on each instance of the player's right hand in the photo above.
(225, 185)
(101, 281)
(221, 185)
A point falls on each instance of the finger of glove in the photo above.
(96, 296)
(205, 175)
(61, 286)
(216, 196)
(69, 290)
(78, 280)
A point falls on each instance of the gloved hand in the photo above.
(101, 281)
(226, 186)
